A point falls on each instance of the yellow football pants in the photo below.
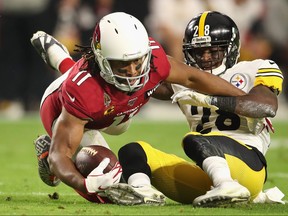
(183, 181)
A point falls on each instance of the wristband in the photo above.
(227, 104)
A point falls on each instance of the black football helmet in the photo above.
(215, 31)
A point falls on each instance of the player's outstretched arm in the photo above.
(200, 81)
(260, 102)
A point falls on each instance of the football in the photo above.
(89, 157)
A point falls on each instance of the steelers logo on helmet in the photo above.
(238, 80)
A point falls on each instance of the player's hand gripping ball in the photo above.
(89, 157)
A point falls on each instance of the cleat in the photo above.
(124, 194)
(226, 194)
(42, 146)
(42, 41)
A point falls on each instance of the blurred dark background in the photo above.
(24, 76)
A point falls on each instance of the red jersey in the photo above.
(92, 98)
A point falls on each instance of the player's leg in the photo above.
(178, 179)
(42, 146)
(117, 129)
(233, 167)
(52, 51)
(138, 191)
(48, 113)
(93, 137)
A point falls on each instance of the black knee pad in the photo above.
(133, 159)
(198, 148)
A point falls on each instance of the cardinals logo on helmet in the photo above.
(97, 37)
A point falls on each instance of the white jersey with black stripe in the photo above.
(244, 75)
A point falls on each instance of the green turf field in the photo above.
(23, 193)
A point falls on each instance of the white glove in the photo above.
(272, 195)
(96, 181)
(193, 98)
(256, 125)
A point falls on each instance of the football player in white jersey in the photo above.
(229, 135)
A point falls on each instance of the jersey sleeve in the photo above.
(72, 104)
(65, 65)
(270, 75)
(159, 60)
(77, 97)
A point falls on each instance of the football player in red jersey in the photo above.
(101, 92)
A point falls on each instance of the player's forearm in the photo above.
(244, 107)
(214, 85)
(64, 168)
(260, 102)
(200, 81)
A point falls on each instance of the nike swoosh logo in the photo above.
(70, 97)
